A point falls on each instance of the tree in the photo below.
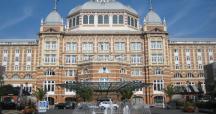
(126, 93)
(85, 93)
(169, 90)
(39, 94)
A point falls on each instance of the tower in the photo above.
(157, 56)
(50, 47)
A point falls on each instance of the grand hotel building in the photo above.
(102, 41)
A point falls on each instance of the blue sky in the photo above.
(185, 18)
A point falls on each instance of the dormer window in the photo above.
(85, 19)
(103, 19)
(91, 19)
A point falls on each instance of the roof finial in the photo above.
(55, 4)
(150, 2)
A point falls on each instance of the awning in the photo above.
(106, 86)
(188, 89)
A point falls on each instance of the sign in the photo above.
(42, 106)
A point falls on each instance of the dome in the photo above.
(53, 18)
(152, 18)
(102, 5)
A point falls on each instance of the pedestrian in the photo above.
(0, 107)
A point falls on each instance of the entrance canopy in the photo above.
(106, 86)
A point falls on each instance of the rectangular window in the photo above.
(28, 59)
(189, 66)
(5, 59)
(49, 86)
(136, 72)
(188, 58)
(187, 50)
(70, 72)
(156, 45)
(199, 58)
(136, 46)
(28, 51)
(87, 47)
(70, 59)
(28, 68)
(5, 51)
(103, 46)
(16, 59)
(120, 46)
(177, 66)
(136, 59)
(200, 66)
(176, 50)
(47, 45)
(158, 85)
(71, 46)
(16, 67)
(210, 50)
(69, 82)
(50, 58)
(51, 45)
(176, 58)
(157, 59)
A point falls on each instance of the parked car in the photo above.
(70, 105)
(60, 106)
(107, 104)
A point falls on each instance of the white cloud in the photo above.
(27, 12)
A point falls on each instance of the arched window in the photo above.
(201, 75)
(115, 19)
(91, 19)
(49, 72)
(28, 76)
(158, 71)
(106, 19)
(100, 19)
(121, 19)
(189, 75)
(123, 71)
(132, 22)
(70, 23)
(85, 19)
(129, 21)
(177, 75)
(15, 77)
(74, 22)
(135, 22)
(104, 70)
(77, 20)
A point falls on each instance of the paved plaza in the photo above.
(154, 111)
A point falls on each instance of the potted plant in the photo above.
(189, 107)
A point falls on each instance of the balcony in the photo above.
(106, 60)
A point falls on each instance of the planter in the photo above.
(189, 109)
(28, 111)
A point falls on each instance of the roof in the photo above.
(106, 5)
(152, 18)
(53, 18)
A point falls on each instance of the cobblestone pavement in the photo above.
(154, 111)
